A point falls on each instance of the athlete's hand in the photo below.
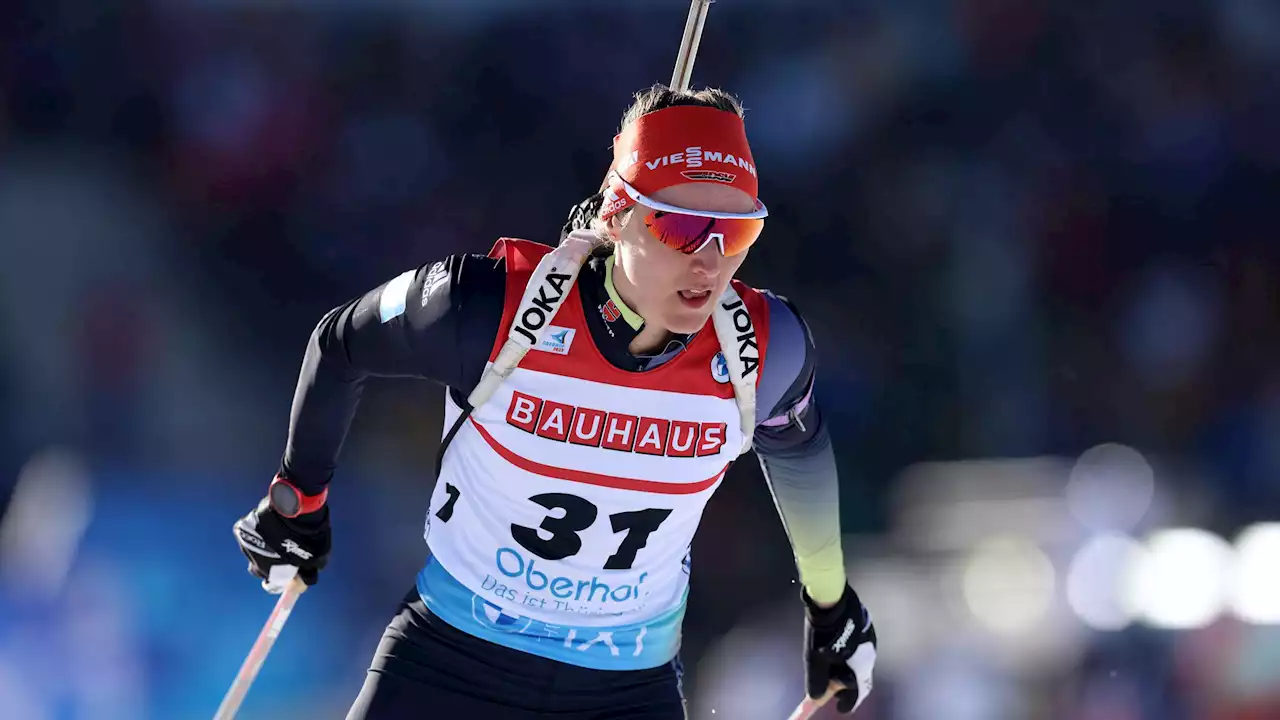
(279, 548)
(840, 647)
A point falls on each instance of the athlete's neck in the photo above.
(650, 338)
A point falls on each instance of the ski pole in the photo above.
(258, 653)
(809, 706)
(689, 44)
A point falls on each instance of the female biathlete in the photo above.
(596, 394)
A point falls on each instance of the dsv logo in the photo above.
(534, 317)
(748, 350)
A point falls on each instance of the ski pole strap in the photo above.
(733, 328)
(550, 284)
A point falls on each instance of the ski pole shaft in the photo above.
(809, 706)
(258, 653)
(689, 44)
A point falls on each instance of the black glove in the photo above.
(839, 646)
(280, 547)
(581, 215)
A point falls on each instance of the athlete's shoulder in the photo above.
(464, 290)
(517, 254)
(468, 274)
(786, 376)
(783, 316)
(460, 277)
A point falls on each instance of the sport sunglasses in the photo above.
(689, 230)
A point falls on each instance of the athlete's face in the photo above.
(666, 287)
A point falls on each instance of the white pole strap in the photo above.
(550, 284)
(737, 335)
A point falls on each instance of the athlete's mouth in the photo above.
(695, 298)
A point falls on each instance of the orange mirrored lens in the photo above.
(689, 233)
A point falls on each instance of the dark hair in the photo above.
(658, 97)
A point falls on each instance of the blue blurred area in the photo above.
(1019, 229)
(153, 618)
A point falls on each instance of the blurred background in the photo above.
(1036, 241)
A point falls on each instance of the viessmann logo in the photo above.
(691, 157)
(614, 431)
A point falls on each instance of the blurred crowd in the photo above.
(1018, 228)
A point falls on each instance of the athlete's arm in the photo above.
(437, 322)
(795, 454)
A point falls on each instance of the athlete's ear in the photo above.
(615, 225)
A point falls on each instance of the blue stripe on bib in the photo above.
(616, 647)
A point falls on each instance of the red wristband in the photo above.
(288, 501)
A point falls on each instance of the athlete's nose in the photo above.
(706, 261)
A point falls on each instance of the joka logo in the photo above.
(542, 307)
(748, 351)
(615, 431)
(609, 311)
(720, 368)
(557, 340)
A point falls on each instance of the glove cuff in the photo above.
(827, 617)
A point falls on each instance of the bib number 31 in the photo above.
(557, 538)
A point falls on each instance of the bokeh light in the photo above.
(1256, 583)
(1182, 580)
(1096, 577)
(1008, 584)
(1110, 488)
(40, 531)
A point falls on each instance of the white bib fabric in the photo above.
(581, 509)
